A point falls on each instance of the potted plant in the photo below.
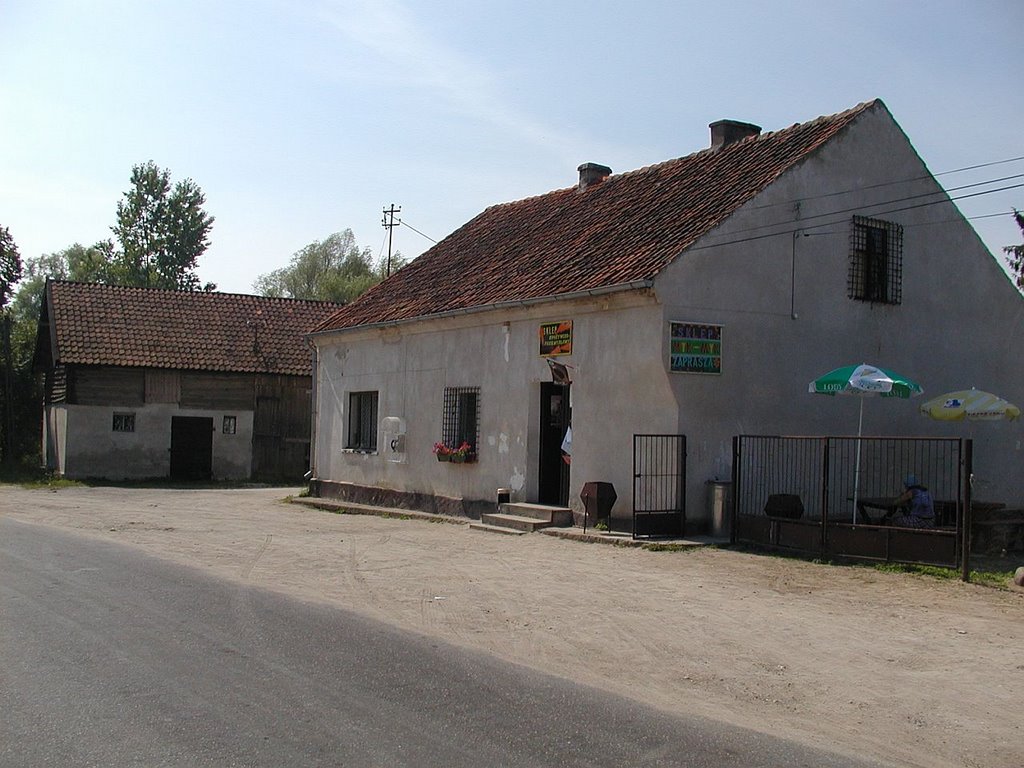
(462, 454)
(442, 451)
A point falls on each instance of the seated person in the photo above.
(914, 507)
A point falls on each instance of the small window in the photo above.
(124, 422)
(362, 421)
(876, 261)
(230, 425)
(461, 416)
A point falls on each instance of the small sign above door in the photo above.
(556, 338)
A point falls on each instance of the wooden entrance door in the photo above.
(191, 448)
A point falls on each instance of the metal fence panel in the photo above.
(659, 485)
(837, 480)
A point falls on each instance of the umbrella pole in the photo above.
(856, 470)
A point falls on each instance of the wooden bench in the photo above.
(1000, 531)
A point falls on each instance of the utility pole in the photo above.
(389, 223)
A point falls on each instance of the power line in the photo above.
(410, 226)
(801, 223)
(981, 165)
(893, 201)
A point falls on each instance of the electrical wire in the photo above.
(802, 223)
(406, 223)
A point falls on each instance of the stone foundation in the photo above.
(385, 497)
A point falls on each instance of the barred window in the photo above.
(124, 422)
(876, 261)
(362, 421)
(461, 416)
(230, 425)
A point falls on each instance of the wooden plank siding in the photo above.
(162, 386)
(217, 391)
(99, 385)
(281, 426)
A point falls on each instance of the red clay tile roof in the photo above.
(622, 230)
(110, 325)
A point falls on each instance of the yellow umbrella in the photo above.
(972, 404)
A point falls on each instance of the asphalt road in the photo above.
(112, 658)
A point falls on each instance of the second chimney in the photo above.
(725, 132)
(592, 173)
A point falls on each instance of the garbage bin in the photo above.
(598, 500)
(720, 508)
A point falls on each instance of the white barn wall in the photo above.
(93, 449)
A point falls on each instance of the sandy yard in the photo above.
(901, 668)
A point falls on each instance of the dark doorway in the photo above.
(191, 448)
(553, 472)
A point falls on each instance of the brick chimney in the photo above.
(724, 132)
(591, 174)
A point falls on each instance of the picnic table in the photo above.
(875, 508)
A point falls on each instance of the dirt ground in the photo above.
(902, 668)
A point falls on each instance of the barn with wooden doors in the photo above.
(145, 383)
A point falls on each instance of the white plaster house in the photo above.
(823, 244)
(145, 383)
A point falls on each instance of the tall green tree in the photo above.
(10, 273)
(10, 266)
(333, 269)
(162, 230)
(1016, 252)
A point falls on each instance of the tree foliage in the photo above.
(10, 266)
(334, 269)
(162, 231)
(1016, 252)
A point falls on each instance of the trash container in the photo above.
(720, 508)
(598, 500)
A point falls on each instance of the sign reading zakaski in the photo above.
(695, 348)
(556, 338)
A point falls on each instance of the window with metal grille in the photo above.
(124, 422)
(876, 261)
(362, 421)
(461, 416)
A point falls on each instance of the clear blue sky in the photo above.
(299, 119)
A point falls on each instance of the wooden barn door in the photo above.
(191, 448)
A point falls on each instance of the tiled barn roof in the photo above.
(620, 231)
(92, 324)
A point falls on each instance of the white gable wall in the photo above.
(957, 326)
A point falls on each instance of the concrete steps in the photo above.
(519, 517)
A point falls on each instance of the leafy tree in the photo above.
(10, 266)
(162, 230)
(1016, 253)
(10, 273)
(334, 269)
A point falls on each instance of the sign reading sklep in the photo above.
(556, 338)
(695, 348)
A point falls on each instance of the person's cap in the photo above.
(910, 480)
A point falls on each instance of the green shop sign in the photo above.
(695, 348)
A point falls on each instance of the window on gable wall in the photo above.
(362, 421)
(876, 261)
(461, 416)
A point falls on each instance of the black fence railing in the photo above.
(831, 495)
(659, 485)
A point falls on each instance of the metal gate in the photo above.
(659, 485)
